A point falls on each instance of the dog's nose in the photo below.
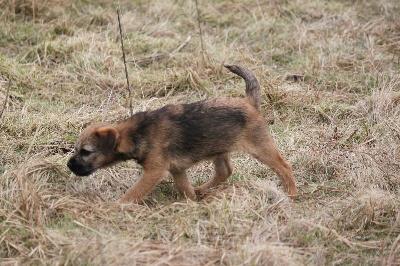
(69, 164)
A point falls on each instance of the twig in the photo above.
(161, 56)
(5, 100)
(201, 32)
(177, 49)
(126, 69)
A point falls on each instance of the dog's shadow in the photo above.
(166, 193)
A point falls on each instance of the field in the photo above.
(330, 78)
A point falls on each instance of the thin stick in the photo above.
(201, 32)
(5, 100)
(126, 69)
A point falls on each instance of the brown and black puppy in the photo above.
(174, 137)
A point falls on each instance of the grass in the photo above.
(329, 72)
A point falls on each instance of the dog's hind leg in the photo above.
(262, 147)
(222, 170)
(183, 185)
(142, 187)
(283, 169)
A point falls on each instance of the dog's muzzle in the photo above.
(79, 169)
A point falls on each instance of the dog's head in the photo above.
(94, 149)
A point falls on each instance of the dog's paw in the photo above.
(200, 190)
(124, 201)
(123, 205)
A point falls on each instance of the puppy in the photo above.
(173, 138)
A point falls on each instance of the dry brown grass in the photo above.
(331, 86)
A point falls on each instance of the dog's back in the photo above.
(207, 128)
(203, 129)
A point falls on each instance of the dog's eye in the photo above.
(85, 152)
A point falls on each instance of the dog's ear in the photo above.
(108, 137)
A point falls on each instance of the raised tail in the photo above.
(253, 92)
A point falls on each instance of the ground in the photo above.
(329, 74)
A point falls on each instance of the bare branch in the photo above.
(201, 32)
(126, 69)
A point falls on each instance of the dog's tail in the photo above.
(253, 92)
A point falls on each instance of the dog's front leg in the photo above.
(145, 184)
